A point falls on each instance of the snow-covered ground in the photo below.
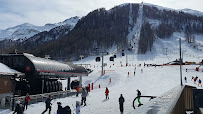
(153, 81)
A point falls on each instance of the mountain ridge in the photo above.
(30, 30)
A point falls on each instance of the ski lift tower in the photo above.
(102, 52)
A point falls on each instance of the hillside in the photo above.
(132, 26)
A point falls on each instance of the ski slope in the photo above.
(134, 34)
(153, 81)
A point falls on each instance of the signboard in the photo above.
(27, 68)
(198, 100)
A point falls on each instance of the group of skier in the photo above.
(195, 79)
(19, 109)
(66, 110)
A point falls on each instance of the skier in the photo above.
(18, 108)
(83, 95)
(48, 105)
(121, 101)
(63, 110)
(138, 97)
(77, 89)
(192, 78)
(107, 93)
(60, 108)
(77, 107)
(134, 73)
(195, 80)
(185, 80)
(27, 99)
(141, 70)
(200, 83)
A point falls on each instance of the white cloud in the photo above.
(40, 12)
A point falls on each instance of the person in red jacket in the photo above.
(77, 89)
(27, 99)
(107, 93)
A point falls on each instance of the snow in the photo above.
(28, 30)
(189, 11)
(6, 69)
(192, 12)
(153, 81)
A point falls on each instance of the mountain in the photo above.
(27, 30)
(128, 26)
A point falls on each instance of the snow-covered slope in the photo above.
(186, 10)
(192, 12)
(153, 81)
(27, 30)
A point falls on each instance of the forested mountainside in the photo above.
(107, 28)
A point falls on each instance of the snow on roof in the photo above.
(6, 69)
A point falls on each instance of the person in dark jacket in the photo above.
(48, 105)
(19, 108)
(200, 83)
(83, 95)
(121, 101)
(27, 99)
(60, 108)
(138, 97)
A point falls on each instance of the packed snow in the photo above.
(153, 81)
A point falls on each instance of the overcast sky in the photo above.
(40, 12)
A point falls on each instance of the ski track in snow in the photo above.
(134, 34)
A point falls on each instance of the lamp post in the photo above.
(14, 84)
(180, 63)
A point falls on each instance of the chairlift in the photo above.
(98, 59)
(111, 58)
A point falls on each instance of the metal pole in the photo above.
(182, 56)
(102, 64)
(14, 84)
(180, 63)
(42, 86)
(68, 83)
(126, 59)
